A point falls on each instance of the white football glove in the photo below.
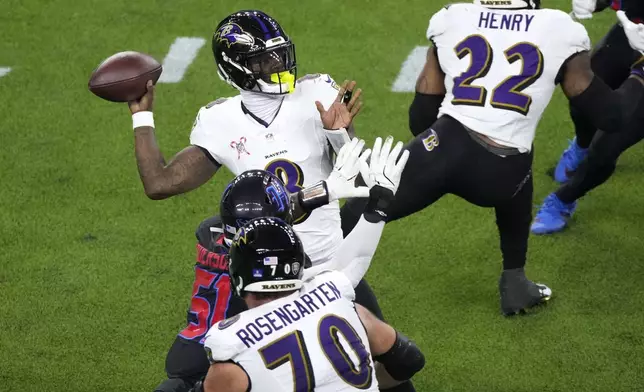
(384, 170)
(583, 9)
(341, 181)
(634, 31)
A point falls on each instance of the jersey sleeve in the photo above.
(219, 344)
(344, 285)
(340, 280)
(576, 37)
(200, 136)
(203, 133)
(320, 87)
(438, 24)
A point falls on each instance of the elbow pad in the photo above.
(403, 360)
(610, 110)
(423, 112)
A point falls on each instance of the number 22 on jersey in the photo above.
(292, 348)
(507, 94)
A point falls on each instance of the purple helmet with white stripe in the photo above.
(253, 53)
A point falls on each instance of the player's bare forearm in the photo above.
(430, 92)
(188, 170)
(431, 79)
(609, 110)
(225, 377)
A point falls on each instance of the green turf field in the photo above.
(95, 278)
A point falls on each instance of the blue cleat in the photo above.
(569, 161)
(552, 216)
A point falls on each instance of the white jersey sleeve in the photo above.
(575, 38)
(339, 279)
(321, 87)
(354, 256)
(220, 343)
(325, 90)
(202, 133)
(438, 23)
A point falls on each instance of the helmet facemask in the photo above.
(270, 72)
(275, 70)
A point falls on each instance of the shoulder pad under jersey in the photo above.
(216, 102)
(221, 344)
(319, 78)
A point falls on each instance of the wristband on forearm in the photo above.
(142, 119)
(638, 70)
(380, 199)
(313, 196)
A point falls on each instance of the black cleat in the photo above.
(518, 293)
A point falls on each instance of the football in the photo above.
(122, 77)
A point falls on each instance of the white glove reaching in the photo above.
(583, 9)
(384, 170)
(634, 31)
(341, 181)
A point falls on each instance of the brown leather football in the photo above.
(123, 76)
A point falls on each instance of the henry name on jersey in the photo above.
(293, 146)
(516, 22)
(285, 315)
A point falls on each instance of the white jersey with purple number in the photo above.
(294, 147)
(501, 66)
(312, 340)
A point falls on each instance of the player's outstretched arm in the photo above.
(339, 185)
(225, 377)
(188, 170)
(430, 92)
(399, 358)
(609, 110)
(382, 176)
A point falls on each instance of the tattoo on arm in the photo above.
(188, 170)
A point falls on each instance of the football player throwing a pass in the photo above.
(303, 331)
(276, 123)
(489, 76)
